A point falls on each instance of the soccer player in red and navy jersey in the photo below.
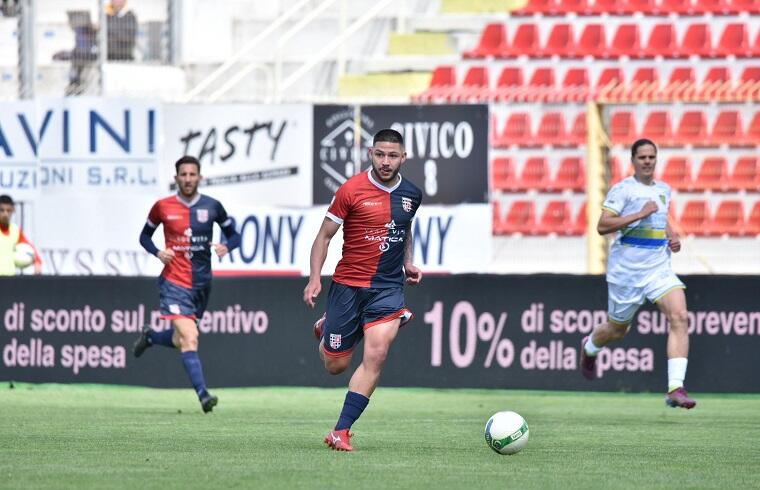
(366, 297)
(185, 283)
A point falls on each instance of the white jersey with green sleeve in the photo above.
(641, 248)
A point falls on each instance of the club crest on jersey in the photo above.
(662, 198)
(406, 204)
(202, 215)
(335, 340)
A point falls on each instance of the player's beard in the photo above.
(390, 179)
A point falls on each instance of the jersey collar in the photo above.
(381, 186)
(189, 204)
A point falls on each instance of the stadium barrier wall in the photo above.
(478, 331)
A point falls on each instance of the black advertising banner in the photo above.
(446, 146)
(335, 149)
(469, 331)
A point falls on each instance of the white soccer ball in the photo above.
(507, 432)
(23, 255)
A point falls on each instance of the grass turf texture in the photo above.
(91, 436)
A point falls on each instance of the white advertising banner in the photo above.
(447, 239)
(19, 135)
(258, 154)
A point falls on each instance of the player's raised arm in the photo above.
(317, 259)
(412, 272)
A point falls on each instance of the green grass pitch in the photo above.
(90, 436)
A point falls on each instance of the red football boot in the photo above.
(679, 398)
(588, 363)
(340, 440)
(318, 326)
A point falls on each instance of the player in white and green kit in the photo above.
(638, 268)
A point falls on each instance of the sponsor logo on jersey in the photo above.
(171, 217)
(391, 225)
(372, 203)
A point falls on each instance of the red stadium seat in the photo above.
(728, 219)
(626, 42)
(581, 222)
(492, 42)
(681, 85)
(720, 7)
(525, 42)
(608, 7)
(560, 42)
(697, 41)
(692, 129)
(578, 133)
(753, 220)
(749, 84)
(570, 176)
(593, 41)
(551, 129)
(752, 137)
(610, 82)
(546, 7)
(677, 174)
(716, 85)
(746, 174)
(728, 129)
(681, 7)
(647, 7)
(645, 85)
(504, 178)
(579, 7)
(510, 84)
(575, 86)
(442, 85)
(734, 42)
(657, 127)
(542, 86)
(623, 128)
(498, 220)
(695, 219)
(556, 218)
(475, 86)
(521, 218)
(662, 42)
(712, 175)
(535, 175)
(517, 131)
(749, 6)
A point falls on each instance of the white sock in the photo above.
(676, 372)
(591, 348)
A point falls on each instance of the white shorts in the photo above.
(624, 301)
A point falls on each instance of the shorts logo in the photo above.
(406, 204)
(335, 340)
(174, 309)
(202, 215)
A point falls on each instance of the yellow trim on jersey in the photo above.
(658, 298)
(645, 233)
(611, 210)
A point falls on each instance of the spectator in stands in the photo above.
(122, 30)
(121, 27)
(10, 236)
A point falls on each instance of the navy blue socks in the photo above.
(195, 372)
(164, 337)
(353, 407)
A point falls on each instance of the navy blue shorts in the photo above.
(178, 302)
(352, 310)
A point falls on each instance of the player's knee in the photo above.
(618, 331)
(335, 366)
(376, 356)
(679, 319)
(189, 341)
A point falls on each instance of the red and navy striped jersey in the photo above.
(188, 228)
(376, 223)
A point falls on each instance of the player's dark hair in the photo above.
(6, 199)
(389, 136)
(639, 143)
(187, 159)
